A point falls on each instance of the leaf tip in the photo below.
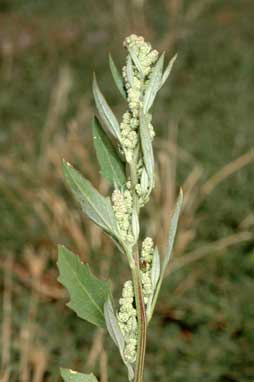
(66, 163)
(175, 57)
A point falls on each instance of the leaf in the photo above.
(135, 59)
(167, 71)
(87, 293)
(96, 207)
(155, 275)
(69, 375)
(116, 334)
(112, 167)
(155, 271)
(172, 231)
(153, 84)
(147, 148)
(107, 116)
(112, 325)
(129, 71)
(117, 77)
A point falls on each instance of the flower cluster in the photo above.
(135, 81)
(127, 319)
(122, 206)
(146, 259)
(129, 136)
(146, 55)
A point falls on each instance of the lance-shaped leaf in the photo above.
(155, 275)
(112, 167)
(147, 148)
(116, 334)
(87, 293)
(117, 77)
(171, 238)
(69, 375)
(156, 267)
(172, 232)
(96, 207)
(107, 116)
(154, 84)
(129, 71)
(135, 59)
(167, 71)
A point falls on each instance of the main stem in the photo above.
(139, 300)
(142, 321)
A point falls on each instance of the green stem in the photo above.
(139, 300)
(142, 321)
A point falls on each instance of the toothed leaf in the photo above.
(87, 293)
(69, 375)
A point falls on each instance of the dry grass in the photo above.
(62, 221)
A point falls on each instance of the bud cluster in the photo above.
(122, 206)
(146, 259)
(135, 82)
(127, 319)
(146, 55)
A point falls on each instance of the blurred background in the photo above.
(203, 328)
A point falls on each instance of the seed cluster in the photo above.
(122, 206)
(146, 259)
(135, 81)
(127, 318)
(127, 315)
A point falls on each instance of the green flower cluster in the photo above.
(146, 259)
(127, 319)
(135, 81)
(122, 206)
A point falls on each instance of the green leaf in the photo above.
(147, 148)
(113, 326)
(129, 71)
(154, 84)
(88, 294)
(171, 238)
(117, 77)
(96, 207)
(112, 167)
(155, 275)
(155, 271)
(172, 232)
(116, 334)
(135, 59)
(69, 375)
(107, 116)
(167, 71)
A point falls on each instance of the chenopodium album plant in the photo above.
(125, 155)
